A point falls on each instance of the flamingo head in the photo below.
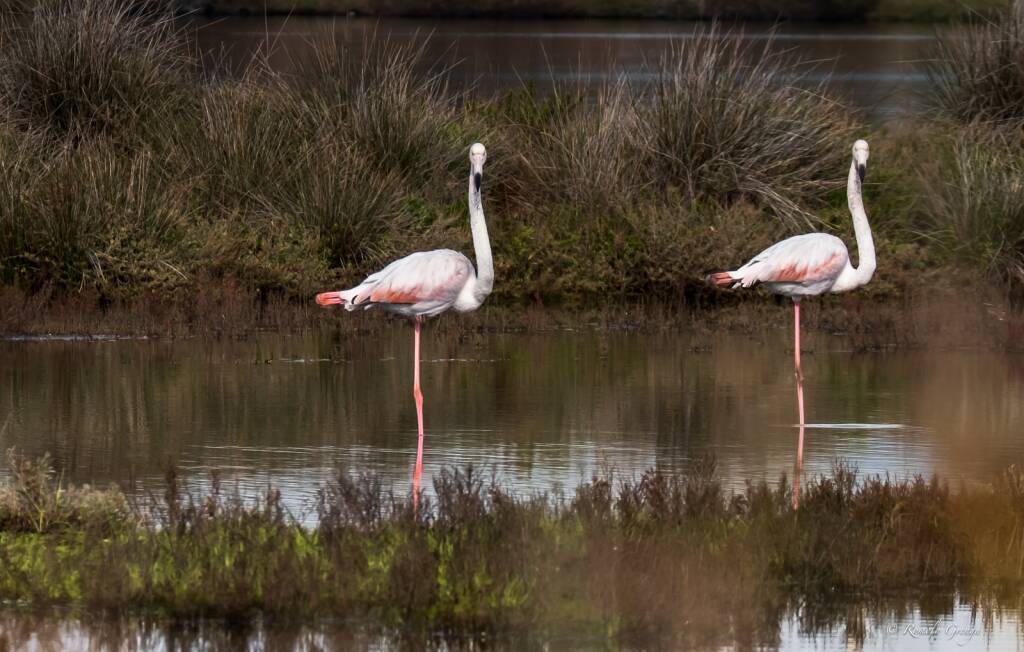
(860, 158)
(477, 156)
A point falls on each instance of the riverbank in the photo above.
(139, 197)
(864, 10)
(671, 558)
(969, 316)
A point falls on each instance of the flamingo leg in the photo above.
(800, 405)
(800, 374)
(418, 395)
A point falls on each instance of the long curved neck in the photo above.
(481, 244)
(865, 244)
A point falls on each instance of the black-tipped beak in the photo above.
(862, 171)
(477, 178)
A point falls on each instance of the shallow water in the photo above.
(544, 410)
(953, 626)
(875, 68)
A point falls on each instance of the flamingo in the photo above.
(427, 283)
(812, 264)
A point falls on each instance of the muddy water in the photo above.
(875, 68)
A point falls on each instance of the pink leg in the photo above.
(800, 406)
(797, 472)
(418, 395)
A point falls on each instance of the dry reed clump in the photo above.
(94, 215)
(575, 149)
(978, 73)
(973, 211)
(89, 68)
(389, 103)
(731, 120)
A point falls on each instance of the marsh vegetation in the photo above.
(134, 181)
(655, 557)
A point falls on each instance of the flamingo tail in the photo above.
(720, 279)
(331, 298)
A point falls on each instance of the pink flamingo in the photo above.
(428, 283)
(812, 264)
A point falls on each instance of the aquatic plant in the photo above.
(667, 557)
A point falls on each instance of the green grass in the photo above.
(655, 557)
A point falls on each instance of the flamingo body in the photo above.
(422, 284)
(804, 265)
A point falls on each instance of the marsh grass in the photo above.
(89, 68)
(639, 558)
(281, 185)
(978, 73)
(974, 206)
(734, 120)
(578, 149)
(264, 188)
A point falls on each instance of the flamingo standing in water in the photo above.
(812, 264)
(428, 283)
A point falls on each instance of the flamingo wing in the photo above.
(806, 260)
(423, 283)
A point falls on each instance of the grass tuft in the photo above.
(731, 120)
(974, 205)
(979, 70)
(85, 68)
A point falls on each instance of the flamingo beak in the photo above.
(862, 171)
(477, 178)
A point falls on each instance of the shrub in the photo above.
(978, 72)
(731, 120)
(577, 149)
(974, 201)
(80, 68)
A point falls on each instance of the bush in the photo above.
(82, 68)
(577, 149)
(974, 201)
(730, 120)
(979, 70)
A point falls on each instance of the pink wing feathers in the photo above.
(423, 283)
(805, 260)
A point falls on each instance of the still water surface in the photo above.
(953, 626)
(878, 69)
(544, 410)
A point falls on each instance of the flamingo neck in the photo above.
(865, 244)
(481, 244)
